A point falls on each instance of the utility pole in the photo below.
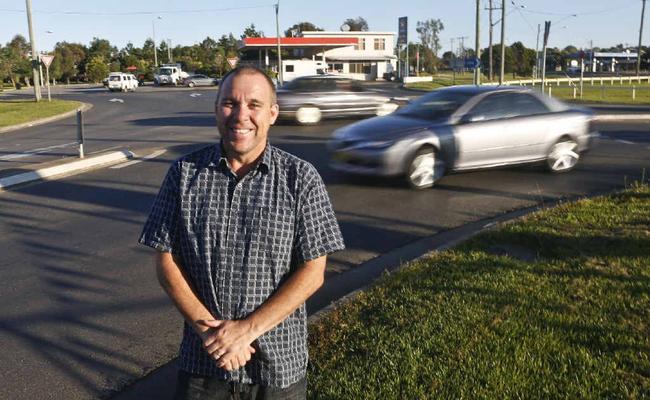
(35, 59)
(453, 63)
(169, 51)
(490, 46)
(277, 34)
(638, 56)
(477, 46)
(503, 41)
(537, 54)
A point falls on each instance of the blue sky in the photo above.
(606, 22)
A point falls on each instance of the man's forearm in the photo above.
(180, 291)
(302, 283)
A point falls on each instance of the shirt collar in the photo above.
(218, 158)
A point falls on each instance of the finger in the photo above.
(251, 349)
(209, 323)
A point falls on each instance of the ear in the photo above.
(275, 111)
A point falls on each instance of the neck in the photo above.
(243, 164)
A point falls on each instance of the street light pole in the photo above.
(35, 58)
(477, 46)
(155, 50)
(638, 56)
(277, 34)
(503, 41)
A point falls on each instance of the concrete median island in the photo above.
(554, 305)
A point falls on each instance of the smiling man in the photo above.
(243, 230)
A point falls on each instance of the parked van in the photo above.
(120, 81)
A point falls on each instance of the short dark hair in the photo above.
(251, 70)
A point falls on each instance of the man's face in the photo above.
(244, 115)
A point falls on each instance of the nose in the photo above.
(240, 113)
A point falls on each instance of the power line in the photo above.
(136, 13)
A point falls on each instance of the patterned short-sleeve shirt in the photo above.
(237, 240)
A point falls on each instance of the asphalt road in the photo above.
(81, 311)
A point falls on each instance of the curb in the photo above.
(68, 169)
(84, 107)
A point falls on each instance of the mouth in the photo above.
(240, 132)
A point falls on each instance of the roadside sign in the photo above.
(472, 63)
(47, 59)
(233, 61)
(402, 29)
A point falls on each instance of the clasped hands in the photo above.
(228, 342)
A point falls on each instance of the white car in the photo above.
(119, 81)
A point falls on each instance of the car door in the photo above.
(482, 137)
(528, 128)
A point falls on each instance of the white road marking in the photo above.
(145, 158)
(35, 151)
(195, 95)
(116, 101)
(624, 141)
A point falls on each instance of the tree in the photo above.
(250, 31)
(97, 69)
(429, 32)
(19, 64)
(228, 44)
(68, 58)
(523, 59)
(358, 24)
(300, 27)
(102, 48)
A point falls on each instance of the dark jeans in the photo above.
(198, 387)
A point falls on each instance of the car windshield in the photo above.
(310, 85)
(114, 78)
(436, 105)
(165, 71)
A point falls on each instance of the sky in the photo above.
(575, 22)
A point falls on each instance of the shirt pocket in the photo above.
(271, 237)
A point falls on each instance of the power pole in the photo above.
(453, 63)
(490, 46)
(477, 46)
(537, 54)
(277, 33)
(503, 41)
(638, 56)
(169, 51)
(35, 59)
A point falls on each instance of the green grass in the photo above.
(611, 94)
(573, 322)
(617, 93)
(20, 111)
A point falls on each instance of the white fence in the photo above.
(611, 80)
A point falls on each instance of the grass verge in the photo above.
(21, 111)
(617, 94)
(556, 305)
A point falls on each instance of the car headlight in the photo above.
(377, 144)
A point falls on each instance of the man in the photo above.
(243, 230)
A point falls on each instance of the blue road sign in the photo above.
(471, 63)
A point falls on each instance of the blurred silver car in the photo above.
(462, 128)
(308, 99)
(199, 80)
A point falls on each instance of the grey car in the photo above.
(199, 80)
(463, 128)
(308, 99)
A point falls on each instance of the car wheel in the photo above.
(308, 115)
(563, 156)
(191, 84)
(424, 169)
